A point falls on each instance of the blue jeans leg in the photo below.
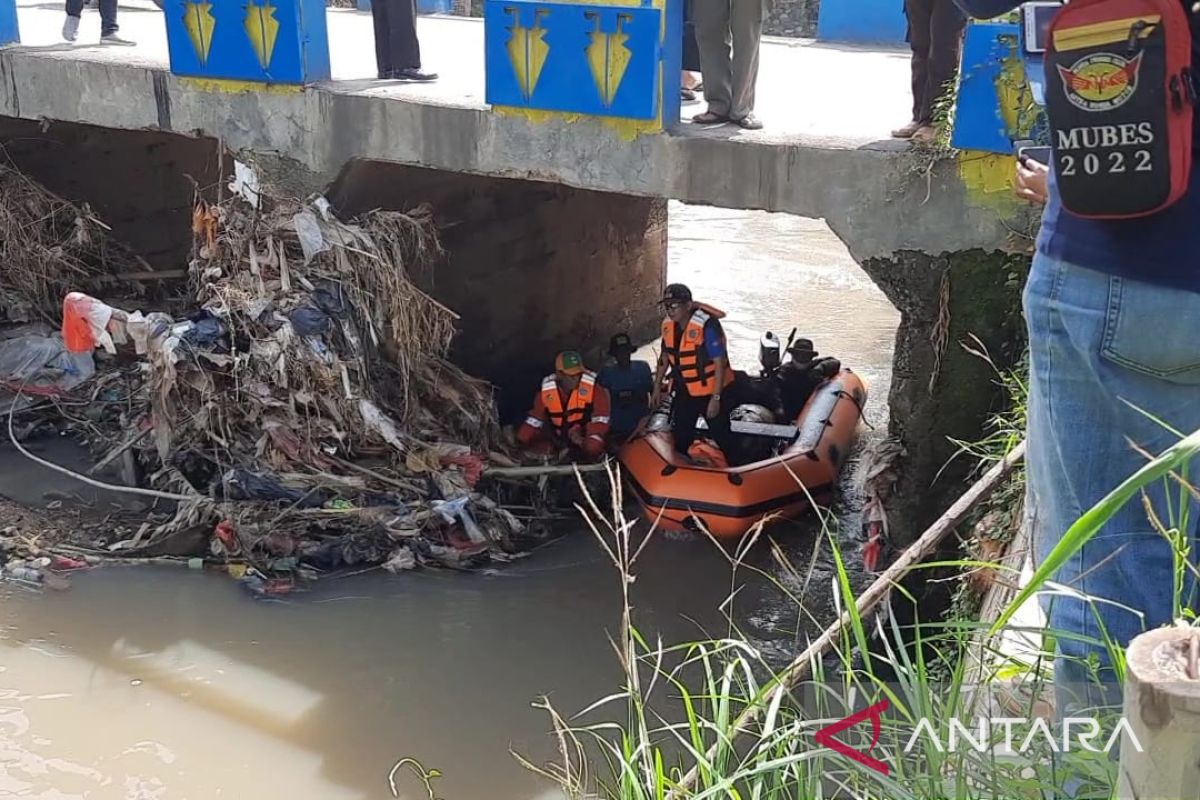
(108, 17)
(1102, 347)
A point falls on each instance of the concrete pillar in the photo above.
(941, 392)
(532, 267)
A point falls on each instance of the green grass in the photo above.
(678, 728)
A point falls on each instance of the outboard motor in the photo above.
(770, 353)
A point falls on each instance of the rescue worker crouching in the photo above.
(694, 352)
(571, 410)
(799, 377)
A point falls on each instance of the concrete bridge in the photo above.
(557, 223)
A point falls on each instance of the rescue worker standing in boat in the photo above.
(693, 350)
(571, 409)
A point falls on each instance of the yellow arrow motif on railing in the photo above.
(262, 28)
(527, 51)
(199, 21)
(608, 57)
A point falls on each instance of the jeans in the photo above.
(108, 14)
(1101, 345)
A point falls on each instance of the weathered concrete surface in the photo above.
(532, 268)
(941, 392)
(824, 154)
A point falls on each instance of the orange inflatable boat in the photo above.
(728, 502)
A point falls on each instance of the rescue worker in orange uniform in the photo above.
(693, 352)
(570, 410)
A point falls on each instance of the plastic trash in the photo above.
(401, 561)
(27, 574)
(457, 510)
(241, 484)
(245, 179)
(330, 297)
(309, 321)
(65, 564)
(85, 324)
(308, 231)
(205, 332)
(43, 364)
(379, 422)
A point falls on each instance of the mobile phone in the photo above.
(1038, 153)
(1035, 19)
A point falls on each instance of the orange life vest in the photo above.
(689, 358)
(578, 410)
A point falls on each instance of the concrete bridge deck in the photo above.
(825, 152)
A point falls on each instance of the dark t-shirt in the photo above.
(630, 391)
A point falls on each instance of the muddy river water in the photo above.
(161, 684)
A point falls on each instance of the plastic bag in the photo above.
(42, 364)
(308, 230)
(85, 324)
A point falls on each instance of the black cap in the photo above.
(621, 343)
(676, 293)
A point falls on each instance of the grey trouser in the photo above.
(729, 77)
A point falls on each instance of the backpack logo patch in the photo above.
(1101, 81)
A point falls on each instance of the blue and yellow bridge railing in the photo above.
(995, 108)
(10, 32)
(249, 42)
(619, 62)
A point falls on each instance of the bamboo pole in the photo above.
(873, 596)
(549, 469)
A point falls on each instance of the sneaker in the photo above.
(907, 131)
(114, 39)
(414, 75)
(71, 28)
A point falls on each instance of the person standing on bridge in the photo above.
(730, 77)
(935, 30)
(108, 23)
(397, 51)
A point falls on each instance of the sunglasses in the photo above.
(674, 304)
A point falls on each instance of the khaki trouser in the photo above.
(730, 76)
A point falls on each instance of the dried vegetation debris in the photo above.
(303, 410)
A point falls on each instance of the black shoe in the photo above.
(414, 75)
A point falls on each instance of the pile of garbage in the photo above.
(301, 417)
